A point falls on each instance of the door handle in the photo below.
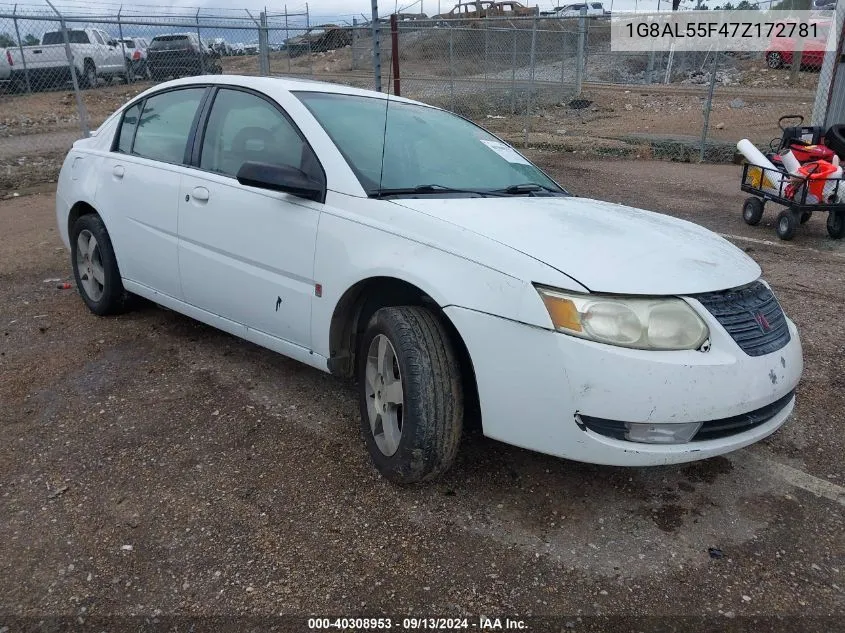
(200, 194)
(118, 171)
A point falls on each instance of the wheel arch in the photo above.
(360, 301)
(79, 209)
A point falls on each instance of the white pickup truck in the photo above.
(95, 54)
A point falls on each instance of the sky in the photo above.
(318, 9)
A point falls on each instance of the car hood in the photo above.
(605, 247)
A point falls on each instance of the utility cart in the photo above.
(802, 196)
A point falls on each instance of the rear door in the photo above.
(139, 186)
(247, 254)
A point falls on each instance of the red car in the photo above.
(781, 49)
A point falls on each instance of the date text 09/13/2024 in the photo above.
(482, 623)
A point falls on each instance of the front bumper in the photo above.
(533, 384)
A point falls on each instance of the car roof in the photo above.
(272, 85)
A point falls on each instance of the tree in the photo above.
(6, 41)
(745, 5)
(31, 40)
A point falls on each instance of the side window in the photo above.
(165, 125)
(243, 127)
(127, 129)
(98, 37)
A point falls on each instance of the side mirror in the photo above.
(281, 178)
(113, 42)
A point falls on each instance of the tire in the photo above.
(428, 416)
(836, 224)
(88, 78)
(104, 293)
(805, 217)
(787, 223)
(752, 211)
(834, 138)
(774, 60)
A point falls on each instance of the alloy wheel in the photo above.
(89, 263)
(385, 397)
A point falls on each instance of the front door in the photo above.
(247, 254)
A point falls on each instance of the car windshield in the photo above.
(419, 147)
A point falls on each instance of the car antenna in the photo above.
(384, 132)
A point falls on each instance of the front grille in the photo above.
(710, 430)
(751, 315)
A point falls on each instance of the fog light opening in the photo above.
(651, 433)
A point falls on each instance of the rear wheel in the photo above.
(410, 394)
(95, 267)
(752, 211)
(836, 224)
(786, 225)
(805, 217)
(774, 60)
(88, 77)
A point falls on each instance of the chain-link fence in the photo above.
(543, 82)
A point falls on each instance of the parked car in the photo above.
(781, 50)
(95, 54)
(180, 54)
(405, 246)
(135, 54)
(466, 10)
(222, 47)
(324, 37)
(6, 63)
(594, 9)
(509, 9)
(251, 48)
(238, 49)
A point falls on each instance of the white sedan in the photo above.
(396, 243)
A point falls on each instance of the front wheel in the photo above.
(410, 394)
(786, 225)
(752, 211)
(836, 224)
(95, 267)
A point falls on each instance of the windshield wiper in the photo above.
(525, 187)
(430, 189)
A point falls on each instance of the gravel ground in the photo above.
(153, 466)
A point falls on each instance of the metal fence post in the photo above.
(563, 35)
(376, 45)
(308, 39)
(531, 79)
(126, 64)
(354, 48)
(513, 72)
(80, 105)
(579, 61)
(649, 71)
(708, 105)
(797, 58)
(394, 52)
(20, 48)
(452, 66)
(486, 53)
(263, 46)
(287, 36)
(202, 47)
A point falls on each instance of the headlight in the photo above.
(641, 323)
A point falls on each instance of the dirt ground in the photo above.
(153, 466)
